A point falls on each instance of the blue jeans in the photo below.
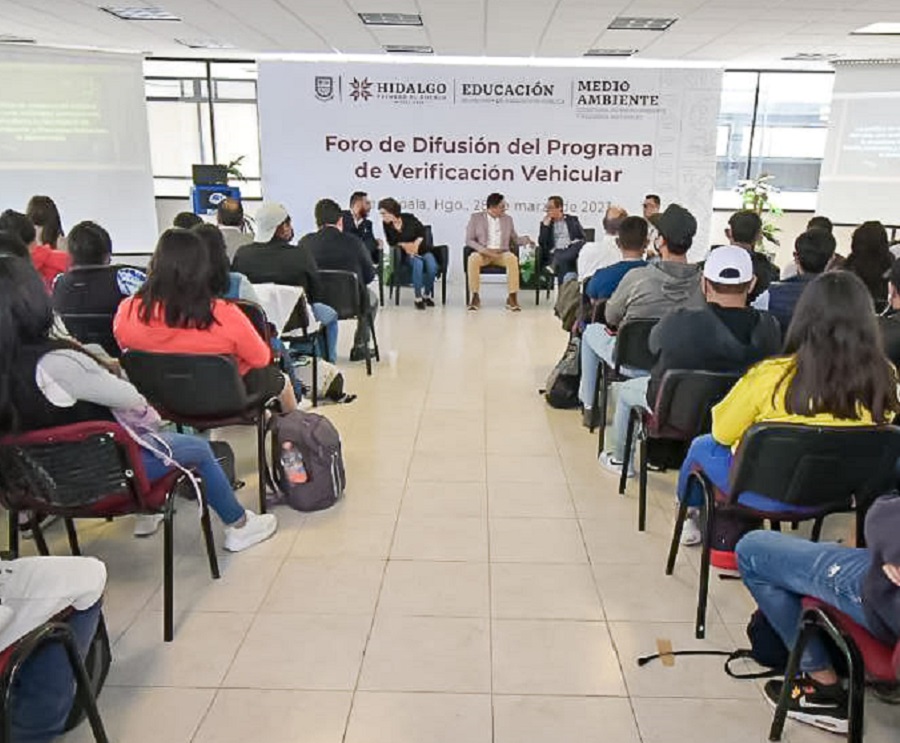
(194, 452)
(424, 269)
(45, 689)
(597, 344)
(780, 570)
(630, 394)
(329, 318)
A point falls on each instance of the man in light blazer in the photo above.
(491, 234)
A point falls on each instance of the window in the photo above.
(187, 128)
(775, 123)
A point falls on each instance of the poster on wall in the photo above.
(440, 138)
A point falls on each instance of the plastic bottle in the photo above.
(292, 464)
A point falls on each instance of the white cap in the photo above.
(728, 264)
(269, 217)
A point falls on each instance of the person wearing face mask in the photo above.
(356, 222)
(273, 259)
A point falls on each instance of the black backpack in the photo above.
(562, 384)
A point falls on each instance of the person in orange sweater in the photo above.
(175, 311)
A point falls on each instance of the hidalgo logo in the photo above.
(361, 89)
(324, 88)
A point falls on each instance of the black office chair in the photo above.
(681, 412)
(632, 352)
(343, 291)
(401, 270)
(203, 391)
(491, 270)
(90, 328)
(813, 470)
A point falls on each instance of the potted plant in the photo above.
(756, 196)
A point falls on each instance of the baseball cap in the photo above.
(268, 218)
(677, 225)
(728, 264)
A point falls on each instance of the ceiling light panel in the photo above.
(14, 39)
(878, 29)
(391, 19)
(139, 13)
(610, 52)
(205, 44)
(641, 24)
(408, 49)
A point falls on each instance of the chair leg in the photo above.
(642, 486)
(396, 291)
(209, 540)
(817, 529)
(315, 378)
(468, 294)
(38, 535)
(12, 526)
(680, 518)
(83, 688)
(261, 459)
(374, 338)
(705, 555)
(629, 448)
(73, 538)
(368, 353)
(168, 573)
(603, 400)
(444, 287)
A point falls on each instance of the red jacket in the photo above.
(49, 263)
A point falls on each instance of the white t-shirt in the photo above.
(494, 233)
(597, 255)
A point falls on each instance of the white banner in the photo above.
(440, 138)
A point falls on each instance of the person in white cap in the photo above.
(723, 336)
(272, 259)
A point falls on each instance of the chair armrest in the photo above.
(442, 253)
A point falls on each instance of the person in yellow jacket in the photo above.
(833, 373)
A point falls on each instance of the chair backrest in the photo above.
(93, 328)
(633, 344)
(589, 234)
(72, 469)
(257, 317)
(826, 467)
(342, 292)
(685, 399)
(185, 386)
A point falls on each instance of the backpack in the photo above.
(728, 528)
(562, 384)
(568, 304)
(319, 442)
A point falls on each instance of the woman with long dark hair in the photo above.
(43, 213)
(870, 259)
(176, 311)
(833, 372)
(224, 282)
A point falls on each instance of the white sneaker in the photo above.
(258, 528)
(691, 535)
(305, 404)
(147, 524)
(608, 462)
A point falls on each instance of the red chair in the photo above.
(16, 655)
(92, 470)
(866, 657)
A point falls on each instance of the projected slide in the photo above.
(861, 174)
(73, 126)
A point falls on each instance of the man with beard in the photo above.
(357, 223)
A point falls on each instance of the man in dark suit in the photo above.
(356, 222)
(561, 239)
(335, 250)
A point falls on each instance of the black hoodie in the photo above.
(881, 598)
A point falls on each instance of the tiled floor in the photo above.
(482, 581)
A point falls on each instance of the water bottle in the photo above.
(292, 464)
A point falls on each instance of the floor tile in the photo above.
(529, 499)
(296, 651)
(385, 717)
(545, 470)
(536, 719)
(445, 499)
(423, 588)
(428, 467)
(440, 538)
(555, 657)
(673, 598)
(325, 586)
(529, 591)
(331, 534)
(275, 716)
(536, 540)
(428, 654)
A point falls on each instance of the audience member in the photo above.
(604, 252)
(224, 282)
(870, 258)
(48, 262)
(646, 292)
(46, 383)
(233, 224)
(186, 220)
(723, 336)
(745, 229)
(813, 251)
(863, 584)
(820, 222)
(335, 251)
(272, 259)
(11, 244)
(406, 231)
(92, 286)
(357, 223)
(651, 205)
(176, 311)
(833, 373)
(889, 322)
(44, 215)
(560, 239)
(630, 245)
(835, 264)
(491, 233)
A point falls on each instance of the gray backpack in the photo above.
(316, 438)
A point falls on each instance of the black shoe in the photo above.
(588, 418)
(420, 304)
(429, 301)
(815, 704)
(358, 353)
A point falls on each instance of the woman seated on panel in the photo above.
(46, 383)
(176, 311)
(833, 372)
(407, 232)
